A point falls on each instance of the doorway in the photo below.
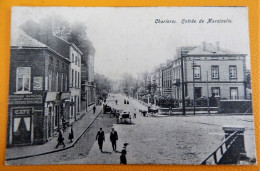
(197, 92)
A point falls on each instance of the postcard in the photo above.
(130, 85)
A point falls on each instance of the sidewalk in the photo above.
(79, 127)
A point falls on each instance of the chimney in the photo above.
(203, 46)
(217, 46)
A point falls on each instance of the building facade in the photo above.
(75, 83)
(38, 90)
(167, 79)
(210, 70)
(44, 34)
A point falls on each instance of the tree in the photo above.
(103, 85)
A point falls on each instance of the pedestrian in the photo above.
(100, 137)
(134, 115)
(60, 139)
(63, 124)
(71, 134)
(113, 138)
(94, 109)
(123, 157)
(116, 102)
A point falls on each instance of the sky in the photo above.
(127, 39)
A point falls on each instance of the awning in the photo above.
(51, 96)
(65, 96)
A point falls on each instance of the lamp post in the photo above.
(182, 78)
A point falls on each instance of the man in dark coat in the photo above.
(60, 139)
(113, 138)
(100, 137)
(94, 109)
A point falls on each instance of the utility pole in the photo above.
(182, 78)
(208, 93)
(193, 68)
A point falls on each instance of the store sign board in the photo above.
(23, 99)
(22, 111)
(37, 83)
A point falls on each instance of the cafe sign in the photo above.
(25, 99)
(22, 111)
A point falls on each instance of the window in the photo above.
(79, 62)
(78, 105)
(76, 78)
(65, 82)
(71, 107)
(57, 109)
(49, 79)
(46, 83)
(76, 60)
(57, 81)
(72, 78)
(51, 60)
(57, 63)
(63, 65)
(23, 79)
(214, 72)
(233, 93)
(216, 91)
(232, 72)
(197, 72)
(61, 82)
(72, 58)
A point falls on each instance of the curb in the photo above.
(58, 150)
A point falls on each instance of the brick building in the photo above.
(43, 33)
(38, 90)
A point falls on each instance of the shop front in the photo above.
(24, 121)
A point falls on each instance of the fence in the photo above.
(230, 150)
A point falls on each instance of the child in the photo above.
(123, 157)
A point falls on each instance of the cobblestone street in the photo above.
(167, 139)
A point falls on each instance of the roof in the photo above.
(210, 49)
(20, 39)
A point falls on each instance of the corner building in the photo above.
(212, 70)
(38, 90)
